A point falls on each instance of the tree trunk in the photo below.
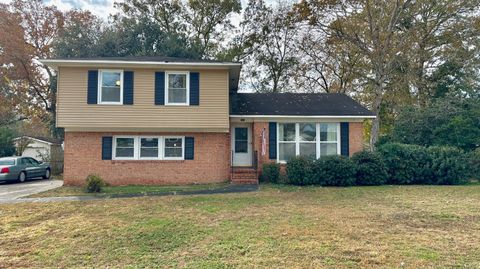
(375, 129)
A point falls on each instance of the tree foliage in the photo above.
(449, 121)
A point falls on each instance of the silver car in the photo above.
(22, 168)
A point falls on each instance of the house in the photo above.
(46, 149)
(160, 120)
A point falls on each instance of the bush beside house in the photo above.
(392, 163)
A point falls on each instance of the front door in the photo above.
(242, 145)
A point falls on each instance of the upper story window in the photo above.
(177, 86)
(110, 87)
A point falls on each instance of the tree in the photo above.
(198, 26)
(373, 29)
(79, 37)
(7, 148)
(452, 121)
(28, 30)
(443, 39)
(271, 33)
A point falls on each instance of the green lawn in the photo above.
(130, 189)
(277, 227)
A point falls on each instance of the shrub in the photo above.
(270, 173)
(449, 165)
(332, 171)
(474, 163)
(406, 164)
(95, 183)
(298, 169)
(371, 169)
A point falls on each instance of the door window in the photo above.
(241, 140)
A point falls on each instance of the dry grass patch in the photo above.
(279, 227)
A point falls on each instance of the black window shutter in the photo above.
(92, 87)
(194, 88)
(189, 148)
(272, 140)
(107, 148)
(160, 88)
(344, 143)
(128, 88)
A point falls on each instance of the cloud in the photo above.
(100, 8)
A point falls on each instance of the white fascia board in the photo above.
(303, 117)
(55, 63)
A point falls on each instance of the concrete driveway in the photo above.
(12, 191)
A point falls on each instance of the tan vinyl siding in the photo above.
(74, 112)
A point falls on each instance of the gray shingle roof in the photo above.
(296, 104)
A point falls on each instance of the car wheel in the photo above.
(22, 177)
(47, 174)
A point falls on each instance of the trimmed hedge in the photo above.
(393, 163)
(371, 169)
(406, 164)
(270, 173)
(449, 166)
(298, 170)
(332, 171)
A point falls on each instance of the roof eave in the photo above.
(55, 63)
(307, 116)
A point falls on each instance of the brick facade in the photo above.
(355, 137)
(83, 156)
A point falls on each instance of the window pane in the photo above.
(111, 79)
(286, 131)
(286, 151)
(328, 132)
(241, 133)
(308, 131)
(177, 95)
(148, 147)
(328, 149)
(241, 146)
(173, 152)
(308, 150)
(173, 142)
(177, 81)
(125, 142)
(173, 147)
(111, 86)
(125, 147)
(124, 152)
(148, 152)
(110, 94)
(149, 142)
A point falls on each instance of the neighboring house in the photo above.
(46, 149)
(38, 147)
(157, 120)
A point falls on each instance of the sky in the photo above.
(100, 8)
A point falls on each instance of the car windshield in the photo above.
(7, 162)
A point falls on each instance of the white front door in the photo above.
(241, 145)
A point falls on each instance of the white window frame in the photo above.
(137, 148)
(297, 140)
(99, 86)
(187, 95)
(159, 145)
(328, 142)
(183, 148)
